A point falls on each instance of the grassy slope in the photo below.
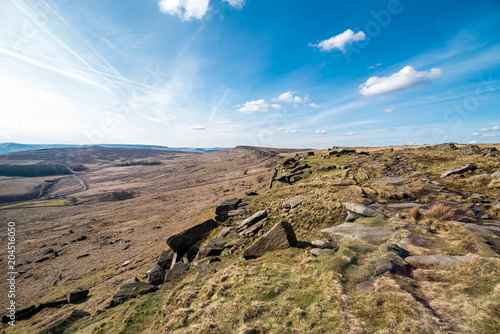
(290, 291)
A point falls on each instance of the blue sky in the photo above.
(205, 73)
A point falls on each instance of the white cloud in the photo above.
(314, 105)
(473, 142)
(484, 134)
(224, 121)
(235, 3)
(261, 105)
(289, 97)
(374, 66)
(290, 131)
(390, 109)
(408, 77)
(321, 132)
(350, 134)
(197, 128)
(411, 143)
(185, 9)
(340, 41)
(495, 128)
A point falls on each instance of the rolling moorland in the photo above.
(341, 240)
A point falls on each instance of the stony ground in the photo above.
(385, 245)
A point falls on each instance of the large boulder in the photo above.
(212, 248)
(363, 210)
(280, 236)
(156, 275)
(223, 209)
(356, 231)
(321, 252)
(460, 170)
(131, 290)
(76, 296)
(181, 242)
(256, 217)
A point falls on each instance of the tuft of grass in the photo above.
(415, 213)
(440, 212)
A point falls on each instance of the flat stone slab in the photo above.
(295, 201)
(356, 231)
(280, 236)
(483, 229)
(403, 206)
(438, 260)
(322, 252)
(256, 217)
(394, 179)
(460, 170)
(363, 210)
(322, 244)
(131, 290)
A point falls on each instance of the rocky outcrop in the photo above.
(165, 259)
(177, 271)
(280, 236)
(222, 210)
(460, 170)
(181, 242)
(322, 244)
(363, 210)
(482, 229)
(256, 217)
(131, 290)
(356, 231)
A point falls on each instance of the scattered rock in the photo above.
(482, 229)
(156, 275)
(253, 229)
(225, 231)
(351, 216)
(83, 237)
(165, 259)
(223, 209)
(177, 271)
(496, 175)
(43, 259)
(126, 263)
(393, 179)
(205, 267)
(322, 251)
(76, 296)
(251, 193)
(256, 217)
(366, 285)
(212, 248)
(323, 244)
(438, 260)
(295, 201)
(460, 170)
(58, 278)
(47, 251)
(415, 240)
(131, 290)
(280, 236)
(82, 256)
(181, 242)
(363, 210)
(403, 206)
(133, 280)
(356, 231)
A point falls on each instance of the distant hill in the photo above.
(15, 147)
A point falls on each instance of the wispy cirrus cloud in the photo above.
(389, 110)
(406, 78)
(321, 132)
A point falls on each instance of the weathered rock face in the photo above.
(75, 296)
(223, 209)
(253, 229)
(482, 229)
(165, 259)
(177, 271)
(156, 275)
(351, 216)
(256, 217)
(131, 290)
(438, 260)
(323, 244)
(460, 170)
(280, 236)
(356, 231)
(181, 242)
(295, 201)
(363, 210)
(212, 248)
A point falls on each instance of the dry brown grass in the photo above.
(440, 212)
(415, 213)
